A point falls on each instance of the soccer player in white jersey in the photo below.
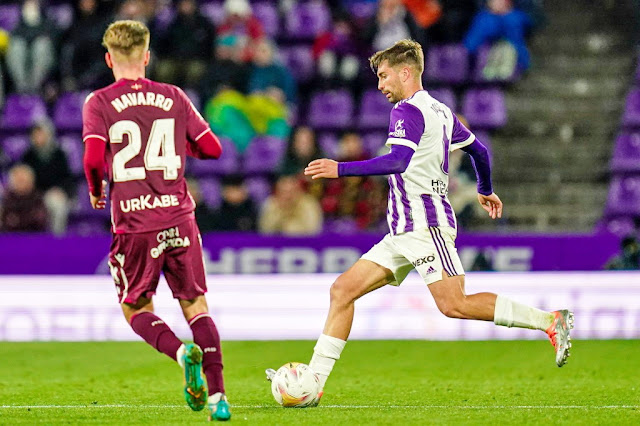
(422, 132)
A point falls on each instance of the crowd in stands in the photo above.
(281, 82)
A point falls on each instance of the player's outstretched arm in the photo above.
(396, 161)
(481, 163)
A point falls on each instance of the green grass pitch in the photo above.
(375, 382)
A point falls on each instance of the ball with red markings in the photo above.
(295, 385)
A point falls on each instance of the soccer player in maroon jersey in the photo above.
(142, 131)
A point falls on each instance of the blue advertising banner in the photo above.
(255, 254)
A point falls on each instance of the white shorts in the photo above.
(430, 251)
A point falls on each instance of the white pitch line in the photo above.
(395, 407)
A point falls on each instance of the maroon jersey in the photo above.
(146, 126)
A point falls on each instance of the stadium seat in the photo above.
(447, 64)
(631, 117)
(341, 226)
(81, 206)
(194, 97)
(14, 147)
(331, 110)
(620, 226)
(267, 14)
(228, 163)
(329, 144)
(164, 17)
(374, 110)
(67, 113)
(264, 155)
(481, 61)
(626, 154)
(624, 196)
(375, 142)
(446, 96)
(258, 188)
(9, 16)
(211, 192)
(307, 20)
(299, 60)
(74, 149)
(484, 108)
(214, 11)
(20, 111)
(88, 226)
(361, 11)
(61, 15)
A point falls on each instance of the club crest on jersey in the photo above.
(399, 132)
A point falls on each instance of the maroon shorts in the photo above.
(135, 261)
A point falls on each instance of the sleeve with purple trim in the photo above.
(461, 136)
(406, 125)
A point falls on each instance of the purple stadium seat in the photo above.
(267, 14)
(484, 108)
(194, 97)
(228, 163)
(481, 61)
(620, 226)
(328, 143)
(332, 109)
(20, 111)
(342, 226)
(375, 142)
(446, 96)
(307, 20)
(374, 110)
(74, 149)
(163, 18)
(299, 60)
(9, 16)
(88, 226)
(214, 11)
(447, 64)
(67, 114)
(631, 117)
(624, 196)
(81, 207)
(361, 11)
(264, 155)
(14, 147)
(211, 192)
(626, 154)
(259, 188)
(61, 15)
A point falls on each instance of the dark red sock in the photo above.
(155, 332)
(205, 335)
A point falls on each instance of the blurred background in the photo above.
(549, 87)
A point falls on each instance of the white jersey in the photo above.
(418, 197)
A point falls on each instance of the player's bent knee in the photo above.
(450, 308)
(342, 292)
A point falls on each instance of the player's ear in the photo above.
(147, 57)
(107, 59)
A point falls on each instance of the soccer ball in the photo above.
(295, 385)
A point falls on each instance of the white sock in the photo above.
(325, 354)
(180, 355)
(513, 314)
(216, 397)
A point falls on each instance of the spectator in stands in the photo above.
(360, 198)
(205, 216)
(391, 23)
(186, 47)
(500, 20)
(290, 211)
(336, 54)
(53, 176)
(238, 212)
(267, 74)
(239, 21)
(136, 10)
(23, 209)
(302, 149)
(31, 54)
(227, 71)
(82, 64)
(455, 21)
(629, 258)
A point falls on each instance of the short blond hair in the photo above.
(407, 52)
(128, 40)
